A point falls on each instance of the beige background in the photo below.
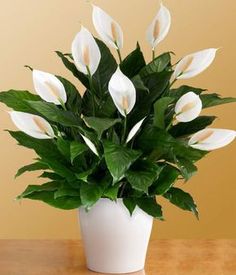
(31, 30)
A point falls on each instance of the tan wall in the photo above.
(30, 32)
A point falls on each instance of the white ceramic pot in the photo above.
(115, 242)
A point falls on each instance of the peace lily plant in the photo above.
(130, 136)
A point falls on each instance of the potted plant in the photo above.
(113, 151)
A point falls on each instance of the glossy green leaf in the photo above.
(159, 64)
(165, 181)
(100, 124)
(133, 63)
(76, 149)
(130, 204)
(53, 113)
(90, 194)
(159, 111)
(111, 192)
(189, 128)
(187, 168)
(17, 100)
(210, 100)
(119, 159)
(71, 67)
(150, 206)
(182, 200)
(142, 174)
(31, 167)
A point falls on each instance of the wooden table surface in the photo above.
(165, 257)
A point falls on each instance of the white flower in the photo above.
(134, 130)
(85, 52)
(159, 27)
(193, 64)
(32, 125)
(210, 139)
(90, 145)
(107, 28)
(122, 92)
(49, 87)
(188, 107)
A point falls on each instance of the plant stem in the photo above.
(125, 127)
(119, 55)
(91, 88)
(153, 54)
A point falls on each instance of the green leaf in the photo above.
(90, 194)
(142, 174)
(31, 167)
(71, 67)
(53, 113)
(31, 189)
(189, 128)
(76, 149)
(106, 68)
(158, 141)
(210, 100)
(74, 99)
(42, 147)
(159, 111)
(51, 175)
(133, 63)
(17, 100)
(165, 181)
(159, 64)
(111, 192)
(187, 168)
(182, 200)
(130, 204)
(178, 92)
(64, 147)
(118, 159)
(150, 206)
(65, 203)
(61, 169)
(100, 124)
(66, 192)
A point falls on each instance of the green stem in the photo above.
(125, 128)
(153, 54)
(119, 55)
(172, 83)
(91, 88)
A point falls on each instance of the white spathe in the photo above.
(159, 27)
(33, 125)
(111, 236)
(49, 87)
(188, 107)
(211, 139)
(134, 130)
(90, 145)
(122, 91)
(193, 64)
(107, 28)
(85, 52)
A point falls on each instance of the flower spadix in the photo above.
(188, 107)
(49, 87)
(33, 125)
(210, 139)
(122, 92)
(134, 130)
(107, 28)
(193, 64)
(85, 52)
(90, 144)
(159, 27)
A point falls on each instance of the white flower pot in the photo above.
(114, 241)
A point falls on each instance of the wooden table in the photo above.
(165, 257)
